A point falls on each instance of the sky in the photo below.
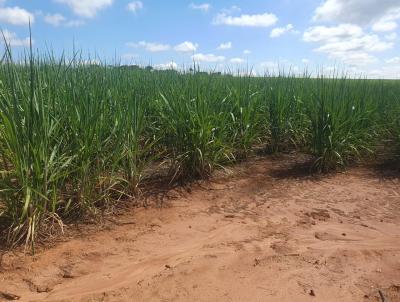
(360, 37)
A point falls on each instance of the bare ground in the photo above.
(267, 232)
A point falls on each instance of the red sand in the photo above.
(267, 232)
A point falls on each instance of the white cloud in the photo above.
(395, 60)
(269, 65)
(388, 21)
(384, 25)
(204, 7)
(356, 58)
(324, 33)
(391, 36)
(385, 72)
(246, 51)
(16, 16)
(166, 66)
(279, 31)
(186, 47)
(60, 20)
(367, 43)
(135, 6)
(231, 10)
(361, 12)
(210, 58)
(346, 42)
(74, 23)
(223, 46)
(150, 46)
(54, 19)
(86, 8)
(305, 61)
(13, 40)
(274, 67)
(237, 60)
(129, 56)
(259, 20)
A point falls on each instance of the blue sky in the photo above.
(360, 36)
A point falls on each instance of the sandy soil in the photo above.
(267, 232)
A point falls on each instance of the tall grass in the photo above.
(75, 137)
(343, 122)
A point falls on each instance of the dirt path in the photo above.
(266, 233)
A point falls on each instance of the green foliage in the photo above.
(75, 136)
(343, 121)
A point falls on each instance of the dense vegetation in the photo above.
(74, 136)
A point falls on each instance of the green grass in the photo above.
(75, 137)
